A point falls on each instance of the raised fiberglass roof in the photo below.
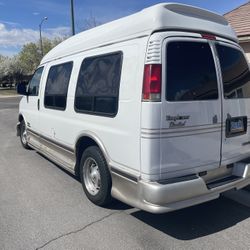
(165, 16)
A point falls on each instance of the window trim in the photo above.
(28, 86)
(79, 111)
(53, 107)
(232, 46)
(164, 65)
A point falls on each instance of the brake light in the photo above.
(152, 83)
(208, 36)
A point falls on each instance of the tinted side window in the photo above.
(35, 82)
(98, 84)
(235, 72)
(190, 72)
(57, 86)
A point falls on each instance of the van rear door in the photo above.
(236, 102)
(191, 108)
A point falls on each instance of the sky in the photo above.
(19, 20)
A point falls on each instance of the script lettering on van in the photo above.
(177, 121)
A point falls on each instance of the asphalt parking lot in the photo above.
(43, 207)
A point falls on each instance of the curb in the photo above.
(9, 96)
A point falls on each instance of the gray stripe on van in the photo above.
(71, 150)
(159, 135)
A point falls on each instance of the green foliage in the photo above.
(29, 58)
(30, 55)
(13, 69)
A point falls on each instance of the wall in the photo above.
(246, 47)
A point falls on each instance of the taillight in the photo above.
(152, 83)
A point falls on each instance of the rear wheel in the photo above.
(95, 176)
(23, 135)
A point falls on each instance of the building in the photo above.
(239, 19)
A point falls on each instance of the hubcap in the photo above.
(91, 176)
(24, 135)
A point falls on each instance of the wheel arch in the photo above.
(20, 118)
(84, 141)
(18, 129)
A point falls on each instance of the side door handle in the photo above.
(38, 104)
(215, 119)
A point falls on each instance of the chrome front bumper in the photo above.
(177, 193)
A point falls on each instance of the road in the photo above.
(9, 103)
(43, 207)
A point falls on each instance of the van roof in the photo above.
(164, 16)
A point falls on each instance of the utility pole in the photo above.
(40, 30)
(72, 17)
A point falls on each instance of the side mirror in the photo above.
(22, 89)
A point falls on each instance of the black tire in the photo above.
(103, 195)
(23, 135)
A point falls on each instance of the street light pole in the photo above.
(40, 30)
(72, 17)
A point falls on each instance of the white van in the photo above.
(152, 109)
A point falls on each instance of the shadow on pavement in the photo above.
(58, 166)
(197, 221)
(115, 204)
(189, 223)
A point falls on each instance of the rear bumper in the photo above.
(161, 198)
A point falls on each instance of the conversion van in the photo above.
(152, 109)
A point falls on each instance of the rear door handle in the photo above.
(38, 104)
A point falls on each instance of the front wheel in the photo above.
(95, 176)
(23, 135)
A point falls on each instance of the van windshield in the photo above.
(190, 72)
(235, 72)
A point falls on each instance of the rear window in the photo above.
(190, 72)
(235, 72)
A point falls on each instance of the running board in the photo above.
(223, 181)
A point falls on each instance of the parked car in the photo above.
(152, 109)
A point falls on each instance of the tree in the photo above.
(30, 55)
(29, 58)
(50, 44)
(91, 22)
(15, 69)
(18, 68)
(10, 70)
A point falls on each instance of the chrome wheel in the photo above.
(24, 135)
(91, 176)
(95, 176)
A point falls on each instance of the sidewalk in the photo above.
(8, 92)
(9, 96)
